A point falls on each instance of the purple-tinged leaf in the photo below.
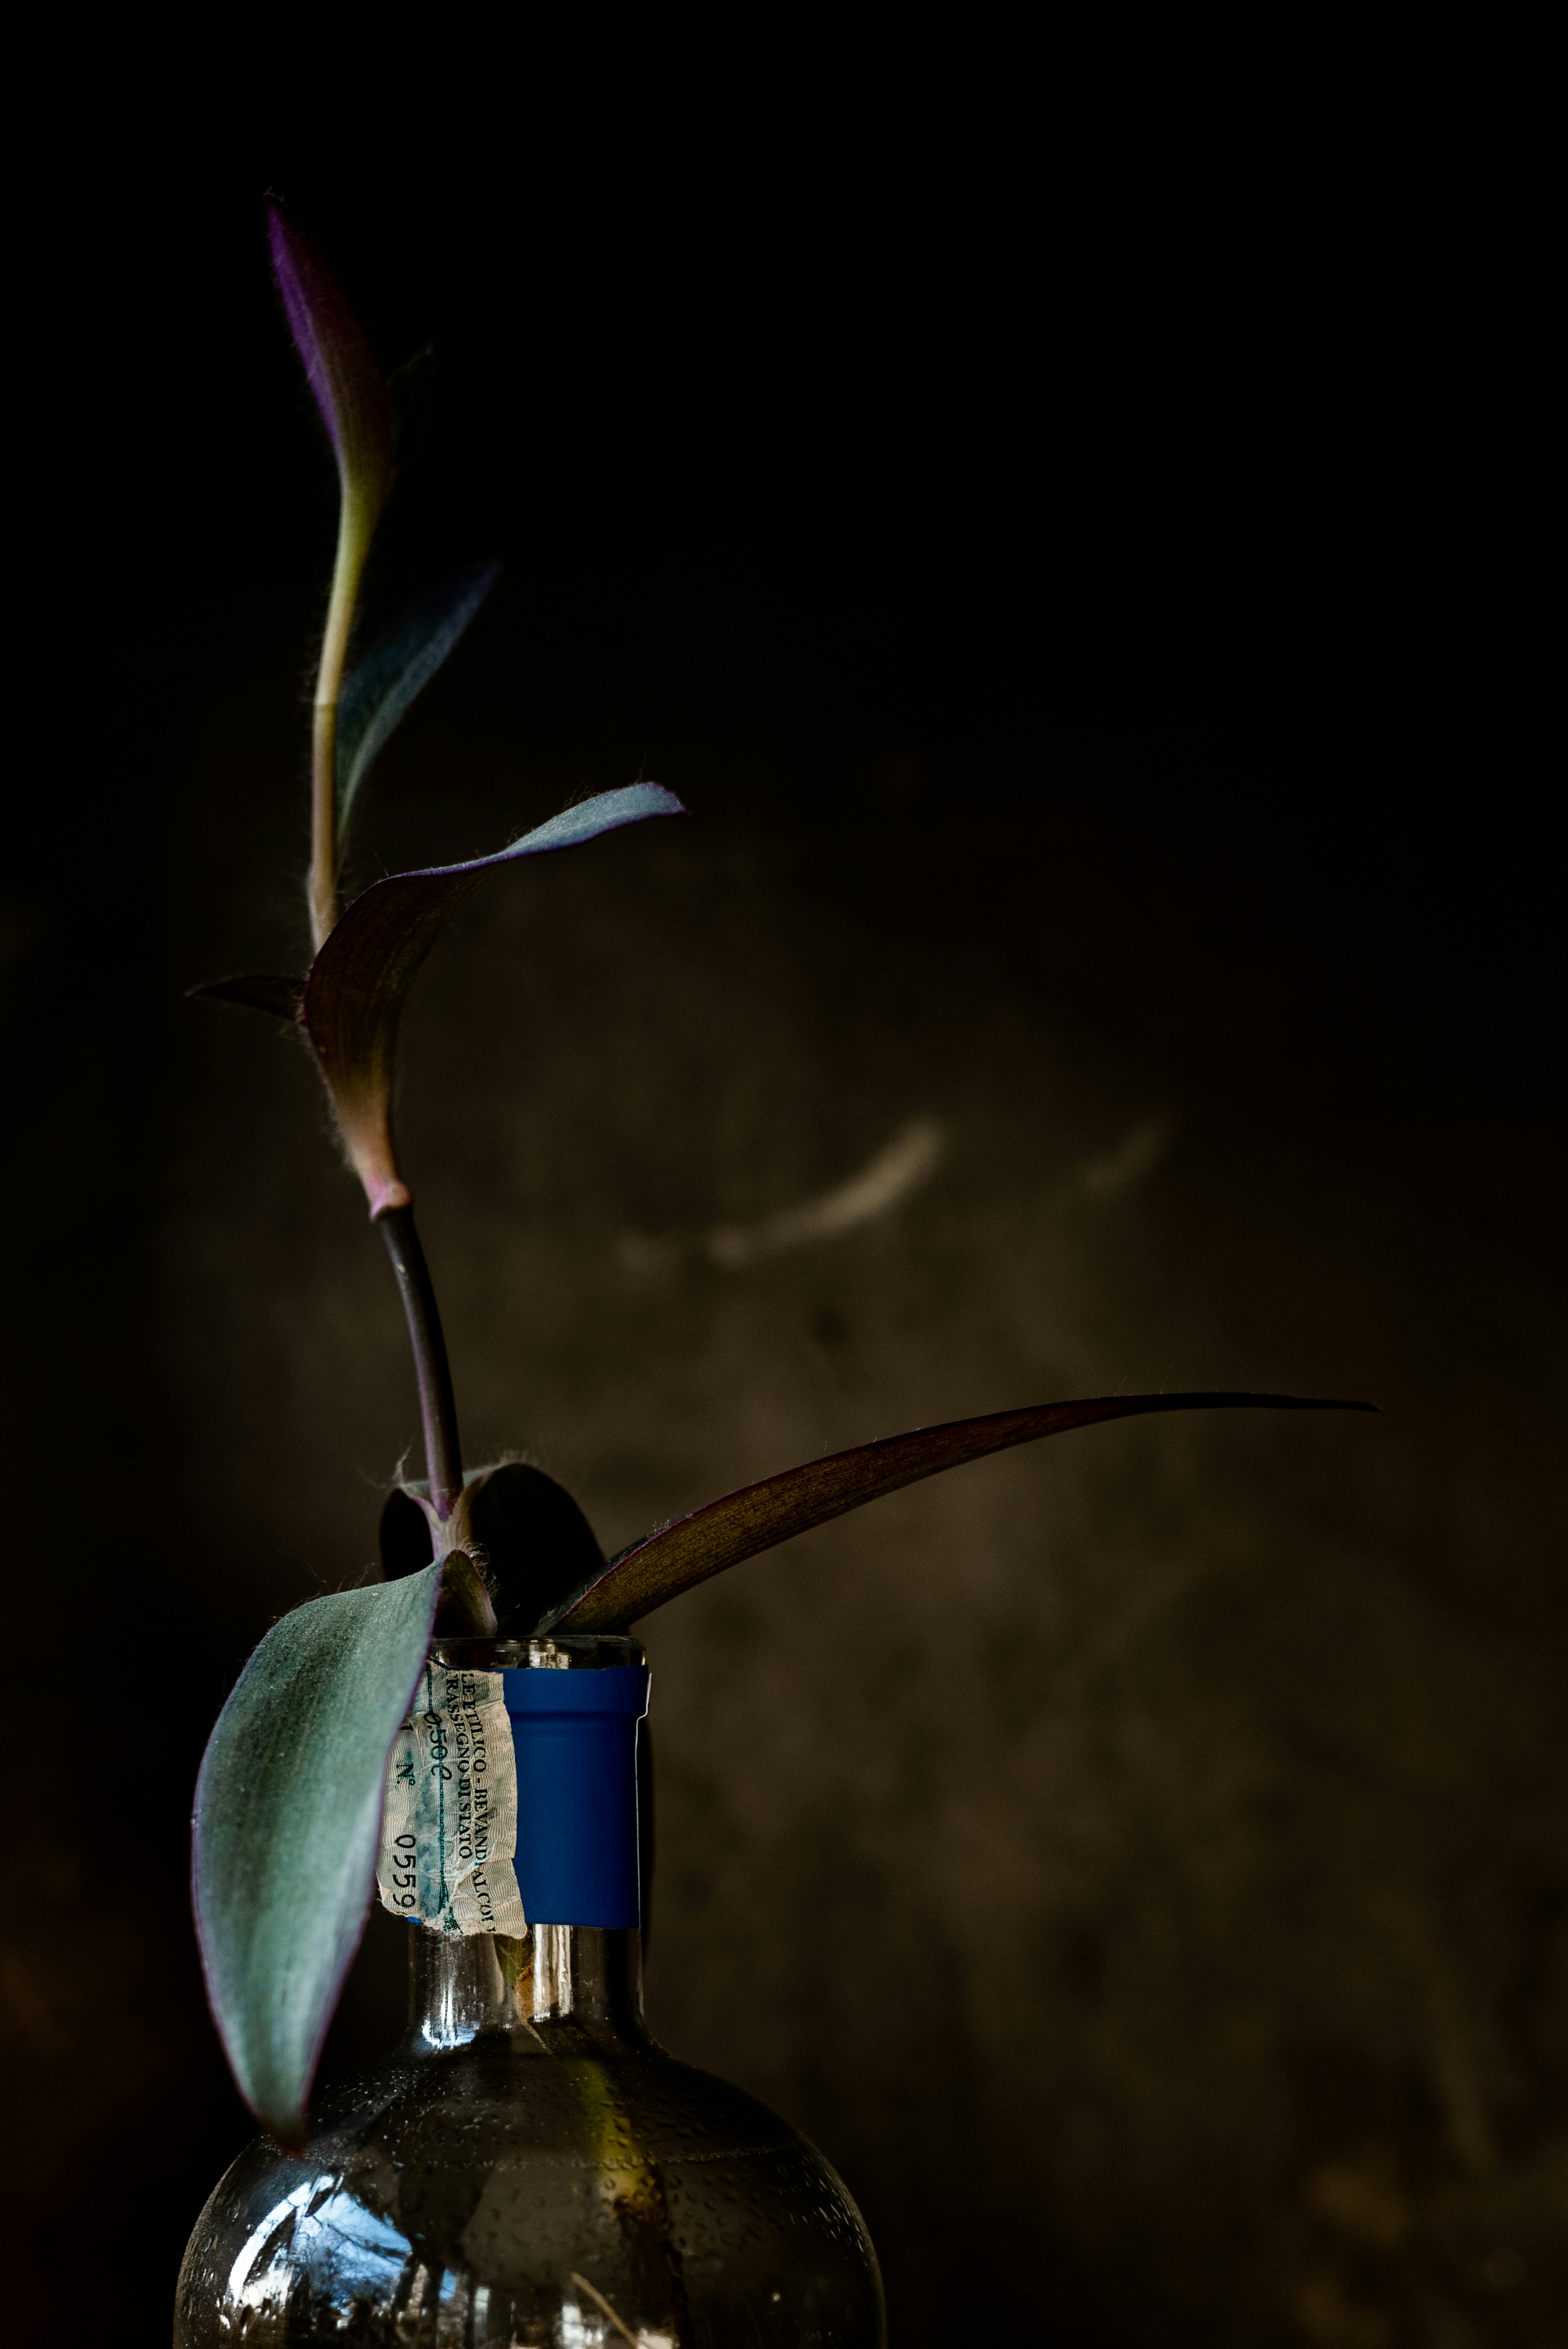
(741, 1524)
(341, 369)
(259, 991)
(526, 1535)
(339, 364)
(364, 969)
(287, 1820)
(383, 687)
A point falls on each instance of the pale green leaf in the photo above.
(383, 687)
(288, 1814)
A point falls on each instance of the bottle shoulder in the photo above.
(578, 2106)
(512, 2174)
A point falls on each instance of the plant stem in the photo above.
(437, 1411)
(355, 529)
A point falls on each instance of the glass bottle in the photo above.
(530, 2170)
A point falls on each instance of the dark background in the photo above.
(1089, 591)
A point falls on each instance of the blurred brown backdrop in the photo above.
(1113, 945)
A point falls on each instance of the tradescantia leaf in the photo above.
(258, 990)
(368, 962)
(340, 368)
(741, 1524)
(288, 1814)
(534, 1545)
(383, 687)
(535, 1541)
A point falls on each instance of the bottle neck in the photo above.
(560, 1990)
(576, 1706)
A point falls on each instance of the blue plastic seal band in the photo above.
(576, 1734)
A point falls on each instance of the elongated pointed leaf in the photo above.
(741, 1524)
(339, 364)
(368, 962)
(383, 687)
(258, 991)
(288, 1814)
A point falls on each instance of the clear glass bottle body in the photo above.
(530, 2170)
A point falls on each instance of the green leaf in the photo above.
(369, 960)
(385, 686)
(288, 1814)
(677, 1556)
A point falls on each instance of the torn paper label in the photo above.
(448, 1833)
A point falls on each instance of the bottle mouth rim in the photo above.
(558, 1652)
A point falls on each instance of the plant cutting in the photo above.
(467, 1738)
